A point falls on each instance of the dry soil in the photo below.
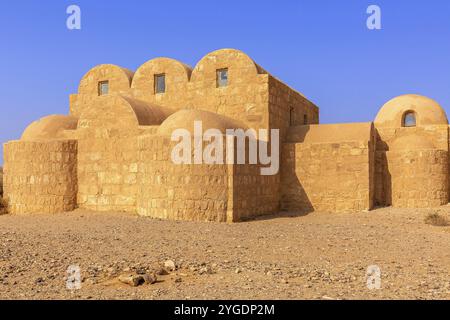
(314, 256)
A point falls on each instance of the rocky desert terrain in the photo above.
(314, 256)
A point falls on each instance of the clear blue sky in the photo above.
(320, 47)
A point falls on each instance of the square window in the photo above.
(103, 88)
(222, 78)
(160, 83)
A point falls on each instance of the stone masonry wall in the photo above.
(333, 177)
(419, 178)
(385, 137)
(246, 98)
(284, 103)
(177, 191)
(176, 79)
(119, 83)
(254, 194)
(40, 177)
(107, 174)
(107, 157)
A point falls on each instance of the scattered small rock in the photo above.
(133, 280)
(170, 265)
(161, 272)
(150, 278)
(206, 270)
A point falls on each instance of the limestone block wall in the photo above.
(288, 107)
(253, 194)
(333, 177)
(107, 174)
(119, 83)
(176, 191)
(177, 76)
(419, 178)
(108, 152)
(386, 137)
(40, 176)
(246, 98)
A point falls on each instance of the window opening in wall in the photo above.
(160, 83)
(103, 88)
(222, 78)
(409, 119)
(291, 116)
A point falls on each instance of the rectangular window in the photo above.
(305, 119)
(160, 83)
(103, 88)
(222, 78)
(291, 116)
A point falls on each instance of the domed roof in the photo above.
(184, 119)
(116, 115)
(148, 114)
(50, 127)
(411, 142)
(428, 111)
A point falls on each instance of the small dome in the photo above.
(411, 142)
(50, 127)
(427, 111)
(184, 119)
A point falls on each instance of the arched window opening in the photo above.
(409, 119)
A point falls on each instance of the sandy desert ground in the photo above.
(316, 256)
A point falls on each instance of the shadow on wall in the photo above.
(294, 199)
(383, 181)
(383, 178)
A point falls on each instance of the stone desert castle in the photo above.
(112, 152)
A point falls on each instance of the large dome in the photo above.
(50, 127)
(427, 111)
(184, 119)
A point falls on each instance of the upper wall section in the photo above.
(119, 79)
(245, 97)
(426, 111)
(331, 133)
(119, 82)
(226, 82)
(176, 75)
